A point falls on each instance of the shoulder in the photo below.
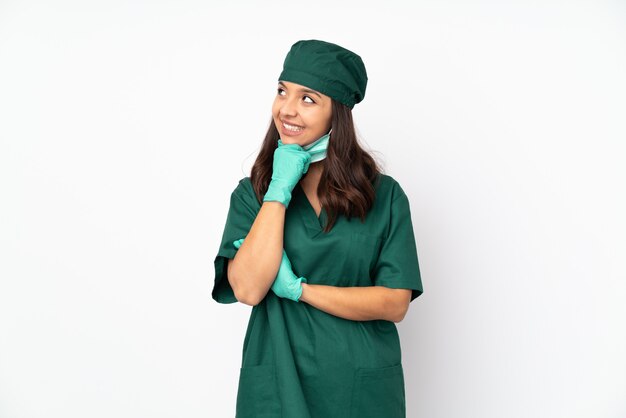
(388, 188)
(391, 206)
(244, 186)
(245, 191)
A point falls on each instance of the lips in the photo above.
(291, 125)
(293, 130)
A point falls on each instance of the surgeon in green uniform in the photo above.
(320, 243)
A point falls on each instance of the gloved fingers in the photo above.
(306, 166)
(290, 162)
(297, 158)
(281, 144)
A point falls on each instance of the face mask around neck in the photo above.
(317, 148)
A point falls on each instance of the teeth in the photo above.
(291, 127)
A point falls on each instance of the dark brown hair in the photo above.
(347, 183)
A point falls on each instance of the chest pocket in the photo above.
(363, 253)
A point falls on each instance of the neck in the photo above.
(312, 177)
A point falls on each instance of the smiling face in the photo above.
(301, 115)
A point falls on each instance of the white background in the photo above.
(124, 127)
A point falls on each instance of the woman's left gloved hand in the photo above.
(287, 284)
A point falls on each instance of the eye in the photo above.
(311, 100)
(279, 90)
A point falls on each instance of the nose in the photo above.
(288, 107)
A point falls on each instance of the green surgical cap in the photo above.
(327, 68)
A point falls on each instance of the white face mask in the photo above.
(317, 149)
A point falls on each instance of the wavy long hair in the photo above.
(347, 184)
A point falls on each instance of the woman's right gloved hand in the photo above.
(291, 161)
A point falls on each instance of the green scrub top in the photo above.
(299, 361)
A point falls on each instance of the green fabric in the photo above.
(299, 361)
(328, 68)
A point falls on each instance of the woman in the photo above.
(321, 244)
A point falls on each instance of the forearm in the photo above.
(257, 261)
(354, 303)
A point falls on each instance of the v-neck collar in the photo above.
(314, 223)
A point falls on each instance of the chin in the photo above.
(301, 142)
(287, 140)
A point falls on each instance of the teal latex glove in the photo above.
(291, 161)
(287, 284)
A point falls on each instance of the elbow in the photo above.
(245, 295)
(399, 316)
(248, 287)
(398, 304)
(242, 294)
(398, 310)
(247, 298)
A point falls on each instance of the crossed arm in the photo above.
(257, 262)
(361, 303)
(358, 303)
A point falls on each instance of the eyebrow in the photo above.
(303, 90)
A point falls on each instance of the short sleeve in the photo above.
(397, 265)
(241, 215)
